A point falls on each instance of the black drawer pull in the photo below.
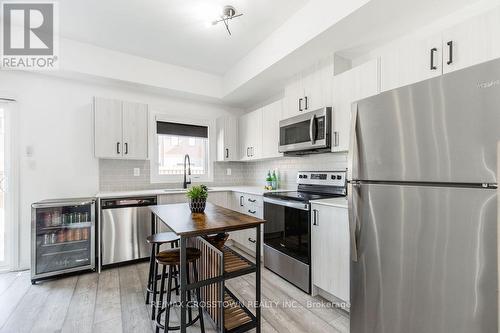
(252, 240)
(252, 211)
(252, 200)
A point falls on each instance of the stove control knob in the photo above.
(300, 176)
(333, 177)
(339, 177)
(305, 176)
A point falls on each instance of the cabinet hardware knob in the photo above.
(251, 240)
(450, 56)
(118, 148)
(252, 211)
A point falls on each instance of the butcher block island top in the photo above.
(215, 219)
(216, 264)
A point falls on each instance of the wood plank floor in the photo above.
(113, 301)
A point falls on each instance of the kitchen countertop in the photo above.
(255, 190)
(335, 202)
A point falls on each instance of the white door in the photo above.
(411, 60)
(472, 42)
(254, 133)
(330, 250)
(243, 136)
(135, 131)
(108, 128)
(9, 166)
(271, 116)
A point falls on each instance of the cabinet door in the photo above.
(330, 250)
(254, 133)
(271, 116)
(472, 42)
(227, 139)
(107, 128)
(355, 84)
(219, 199)
(318, 87)
(409, 61)
(135, 131)
(243, 137)
(294, 98)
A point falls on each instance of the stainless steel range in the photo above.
(287, 231)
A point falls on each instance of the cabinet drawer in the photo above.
(253, 200)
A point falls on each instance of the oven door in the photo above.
(307, 131)
(287, 228)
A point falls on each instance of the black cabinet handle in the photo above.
(227, 153)
(252, 211)
(252, 200)
(450, 56)
(248, 154)
(305, 100)
(315, 217)
(433, 50)
(241, 201)
(126, 148)
(118, 148)
(252, 240)
(300, 104)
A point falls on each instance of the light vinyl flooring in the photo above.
(113, 301)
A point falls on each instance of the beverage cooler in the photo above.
(63, 237)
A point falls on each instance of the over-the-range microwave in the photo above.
(306, 133)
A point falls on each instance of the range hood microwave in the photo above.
(307, 133)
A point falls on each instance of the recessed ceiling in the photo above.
(177, 32)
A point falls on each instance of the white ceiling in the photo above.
(175, 31)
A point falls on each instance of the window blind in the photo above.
(181, 129)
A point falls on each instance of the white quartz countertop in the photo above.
(255, 190)
(335, 202)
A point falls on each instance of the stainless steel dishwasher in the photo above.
(124, 225)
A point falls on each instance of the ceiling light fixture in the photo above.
(228, 13)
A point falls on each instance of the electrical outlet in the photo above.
(137, 172)
(228, 171)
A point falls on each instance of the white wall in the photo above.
(56, 122)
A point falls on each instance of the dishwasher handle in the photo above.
(127, 202)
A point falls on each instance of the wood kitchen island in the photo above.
(216, 265)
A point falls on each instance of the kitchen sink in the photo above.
(178, 190)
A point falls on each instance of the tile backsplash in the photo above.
(118, 175)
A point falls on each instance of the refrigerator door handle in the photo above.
(353, 221)
(352, 154)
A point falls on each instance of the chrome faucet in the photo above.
(186, 182)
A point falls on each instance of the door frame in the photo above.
(13, 184)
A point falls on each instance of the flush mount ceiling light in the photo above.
(228, 13)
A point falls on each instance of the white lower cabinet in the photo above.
(250, 205)
(219, 199)
(330, 250)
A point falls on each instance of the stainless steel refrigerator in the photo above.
(423, 206)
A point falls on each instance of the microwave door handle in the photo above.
(312, 129)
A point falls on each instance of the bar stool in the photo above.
(156, 241)
(172, 259)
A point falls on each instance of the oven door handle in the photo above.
(286, 203)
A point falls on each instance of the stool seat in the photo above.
(173, 256)
(162, 238)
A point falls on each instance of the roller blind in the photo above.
(181, 129)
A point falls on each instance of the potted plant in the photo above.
(197, 198)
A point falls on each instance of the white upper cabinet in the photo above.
(309, 91)
(135, 131)
(330, 250)
(352, 85)
(416, 59)
(227, 139)
(120, 129)
(472, 42)
(107, 128)
(250, 135)
(271, 116)
(411, 60)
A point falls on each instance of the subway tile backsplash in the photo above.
(118, 175)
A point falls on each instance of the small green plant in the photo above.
(197, 192)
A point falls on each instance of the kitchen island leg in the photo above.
(183, 272)
(257, 279)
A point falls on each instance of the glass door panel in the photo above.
(63, 237)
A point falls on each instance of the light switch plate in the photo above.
(137, 172)
(228, 171)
